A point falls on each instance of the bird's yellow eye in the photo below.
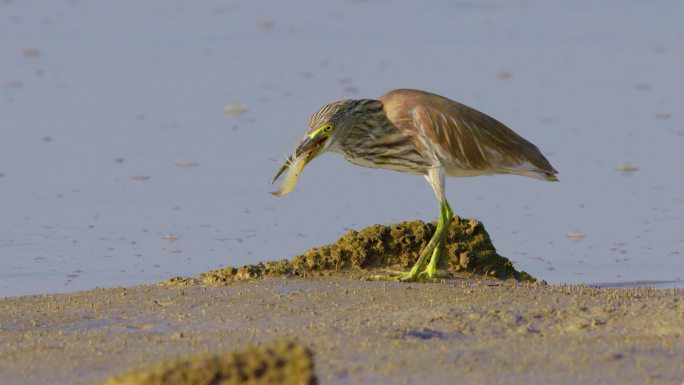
(325, 129)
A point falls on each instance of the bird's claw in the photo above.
(431, 275)
(409, 276)
(396, 276)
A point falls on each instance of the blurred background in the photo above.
(137, 139)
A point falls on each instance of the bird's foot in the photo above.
(433, 274)
(397, 276)
(411, 276)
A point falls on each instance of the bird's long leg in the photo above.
(436, 179)
(445, 216)
(433, 247)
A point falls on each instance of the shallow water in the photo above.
(100, 101)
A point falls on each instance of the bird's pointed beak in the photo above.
(309, 148)
(282, 169)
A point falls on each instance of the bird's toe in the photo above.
(430, 274)
(396, 276)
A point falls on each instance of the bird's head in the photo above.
(325, 128)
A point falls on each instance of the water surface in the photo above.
(99, 101)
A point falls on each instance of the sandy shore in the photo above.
(464, 331)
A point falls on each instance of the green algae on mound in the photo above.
(282, 362)
(468, 248)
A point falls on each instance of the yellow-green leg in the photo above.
(433, 247)
(435, 176)
(431, 271)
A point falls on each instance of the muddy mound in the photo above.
(283, 362)
(468, 248)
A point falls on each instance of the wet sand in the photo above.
(462, 330)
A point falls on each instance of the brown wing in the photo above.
(463, 137)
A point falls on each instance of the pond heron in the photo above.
(417, 132)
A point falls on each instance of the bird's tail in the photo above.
(551, 177)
